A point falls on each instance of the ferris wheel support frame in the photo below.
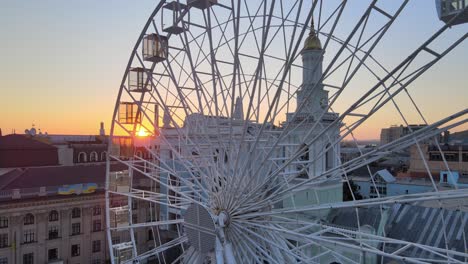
(224, 251)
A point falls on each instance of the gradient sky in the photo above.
(61, 62)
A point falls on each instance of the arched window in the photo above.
(103, 155)
(76, 212)
(82, 157)
(97, 210)
(93, 157)
(150, 235)
(329, 158)
(139, 154)
(53, 216)
(29, 219)
(304, 150)
(3, 222)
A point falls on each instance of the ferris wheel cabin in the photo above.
(122, 252)
(119, 216)
(155, 48)
(138, 80)
(448, 9)
(201, 4)
(119, 181)
(128, 113)
(171, 17)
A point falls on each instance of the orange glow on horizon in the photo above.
(142, 132)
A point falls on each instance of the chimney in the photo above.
(446, 136)
(238, 109)
(156, 118)
(102, 132)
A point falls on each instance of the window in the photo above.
(82, 157)
(3, 222)
(329, 158)
(116, 240)
(93, 156)
(451, 156)
(28, 236)
(103, 156)
(134, 204)
(96, 225)
(3, 260)
(150, 235)
(76, 213)
(52, 254)
(29, 219)
(75, 250)
(97, 210)
(381, 189)
(96, 261)
(3, 240)
(134, 218)
(28, 258)
(76, 229)
(96, 246)
(435, 156)
(53, 216)
(53, 232)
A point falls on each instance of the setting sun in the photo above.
(142, 133)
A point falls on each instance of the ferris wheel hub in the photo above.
(200, 228)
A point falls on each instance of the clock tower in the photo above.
(308, 122)
(312, 87)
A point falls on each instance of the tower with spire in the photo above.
(311, 91)
(312, 100)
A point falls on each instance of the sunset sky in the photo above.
(62, 63)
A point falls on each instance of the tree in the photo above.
(347, 191)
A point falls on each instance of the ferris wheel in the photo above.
(227, 133)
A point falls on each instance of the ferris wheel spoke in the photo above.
(278, 229)
(168, 169)
(403, 64)
(277, 94)
(159, 249)
(346, 238)
(148, 199)
(425, 133)
(410, 198)
(147, 224)
(158, 181)
(269, 242)
(256, 245)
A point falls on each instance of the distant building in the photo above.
(455, 155)
(392, 133)
(383, 184)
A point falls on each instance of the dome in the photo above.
(312, 42)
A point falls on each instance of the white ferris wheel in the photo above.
(228, 126)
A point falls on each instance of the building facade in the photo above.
(392, 133)
(455, 156)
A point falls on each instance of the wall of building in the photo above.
(432, 156)
(16, 210)
(391, 189)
